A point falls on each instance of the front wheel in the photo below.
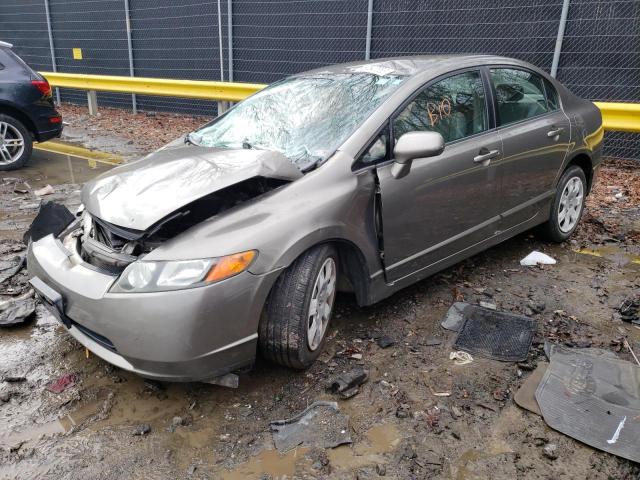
(298, 311)
(568, 205)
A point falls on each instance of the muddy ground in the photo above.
(418, 416)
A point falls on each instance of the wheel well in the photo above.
(18, 115)
(583, 161)
(353, 271)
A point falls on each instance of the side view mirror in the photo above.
(414, 145)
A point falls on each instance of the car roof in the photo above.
(411, 65)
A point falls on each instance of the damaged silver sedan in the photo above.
(364, 177)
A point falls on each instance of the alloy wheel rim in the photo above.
(321, 305)
(570, 204)
(11, 143)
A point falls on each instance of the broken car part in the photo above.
(347, 384)
(321, 424)
(593, 399)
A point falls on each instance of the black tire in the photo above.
(283, 327)
(552, 229)
(24, 157)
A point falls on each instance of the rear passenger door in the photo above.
(535, 136)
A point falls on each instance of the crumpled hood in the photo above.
(139, 194)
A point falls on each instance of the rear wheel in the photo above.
(568, 205)
(298, 312)
(15, 143)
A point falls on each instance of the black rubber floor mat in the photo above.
(593, 399)
(496, 335)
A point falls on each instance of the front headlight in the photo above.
(144, 276)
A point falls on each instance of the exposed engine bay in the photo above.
(111, 247)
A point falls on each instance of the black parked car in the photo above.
(27, 112)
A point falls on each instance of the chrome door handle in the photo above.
(555, 132)
(483, 157)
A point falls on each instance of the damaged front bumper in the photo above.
(194, 334)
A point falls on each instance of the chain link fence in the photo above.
(270, 39)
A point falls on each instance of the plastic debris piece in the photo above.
(347, 384)
(59, 385)
(537, 258)
(460, 357)
(52, 218)
(454, 319)
(320, 425)
(385, 341)
(46, 190)
(17, 311)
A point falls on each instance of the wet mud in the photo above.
(418, 416)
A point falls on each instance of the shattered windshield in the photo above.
(305, 118)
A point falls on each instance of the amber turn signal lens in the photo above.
(230, 265)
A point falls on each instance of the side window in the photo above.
(377, 151)
(455, 107)
(552, 96)
(519, 94)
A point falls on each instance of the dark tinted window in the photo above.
(552, 96)
(519, 94)
(455, 107)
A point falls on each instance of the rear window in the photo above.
(552, 95)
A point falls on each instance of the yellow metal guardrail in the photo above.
(623, 117)
(165, 87)
(620, 117)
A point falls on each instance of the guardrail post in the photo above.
(558, 48)
(92, 102)
(54, 65)
(367, 48)
(230, 39)
(127, 18)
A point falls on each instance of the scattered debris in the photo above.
(488, 305)
(59, 385)
(230, 380)
(19, 310)
(14, 378)
(319, 425)
(550, 451)
(142, 429)
(537, 258)
(630, 310)
(385, 341)
(454, 318)
(633, 354)
(460, 358)
(46, 190)
(497, 335)
(52, 218)
(590, 397)
(348, 384)
(12, 267)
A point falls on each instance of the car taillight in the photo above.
(56, 119)
(43, 86)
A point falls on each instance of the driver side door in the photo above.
(449, 202)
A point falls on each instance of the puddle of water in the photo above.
(610, 253)
(53, 168)
(379, 440)
(268, 462)
(60, 426)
